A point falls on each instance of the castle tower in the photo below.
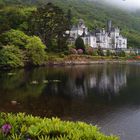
(109, 26)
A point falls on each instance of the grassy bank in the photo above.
(25, 127)
(51, 59)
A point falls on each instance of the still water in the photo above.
(105, 95)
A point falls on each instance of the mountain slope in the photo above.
(96, 14)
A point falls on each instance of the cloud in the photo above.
(126, 4)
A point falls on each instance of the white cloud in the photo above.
(126, 3)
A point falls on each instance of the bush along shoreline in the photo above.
(26, 127)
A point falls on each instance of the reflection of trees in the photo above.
(32, 97)
(18, 86)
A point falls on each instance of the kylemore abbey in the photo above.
(99, 38)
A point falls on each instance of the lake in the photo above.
(107, 95)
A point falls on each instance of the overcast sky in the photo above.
(129, 4)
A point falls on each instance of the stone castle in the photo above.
(99, 38)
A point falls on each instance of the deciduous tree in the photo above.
(50, 24)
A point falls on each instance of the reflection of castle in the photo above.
(100, 38)
(102, 82)
(112, 83)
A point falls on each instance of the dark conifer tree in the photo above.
(79, 43)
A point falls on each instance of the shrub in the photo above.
(73, 51)
(122, 54)
(95, 53)
(137, 57)
(14, 37)
(80, 51)
(100, 52)
(108, 53)
(35, 41)
(11, 56)
(66, 52)
(71, 46)
(62, 55)
(35, 51)
(89, 51)
(22, 127)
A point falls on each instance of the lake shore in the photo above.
(70, 60)
(88, 60)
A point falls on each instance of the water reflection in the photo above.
(112, 83)
(97, 79)
(68, 91)
(69, 81)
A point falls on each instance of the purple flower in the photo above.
(80, 51)
(6, 128)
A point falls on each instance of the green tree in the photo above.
(11, 56)
(14, 37)
(50, 24)
(2, 4)
(79, 43)
(31, 46)
(15, 17)
(36, 54)
(69, 17)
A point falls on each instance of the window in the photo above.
(120, 42)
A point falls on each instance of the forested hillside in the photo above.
(94, 13)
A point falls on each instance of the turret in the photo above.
(81, 23)
(109, 26)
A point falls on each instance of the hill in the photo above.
(95, 13)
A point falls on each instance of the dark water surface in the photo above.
(106, 95)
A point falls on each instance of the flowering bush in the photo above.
(80, 51)
(26, 127)
(73, 51)
(137, 57)
(89, 50)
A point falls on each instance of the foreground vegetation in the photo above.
(25, 127)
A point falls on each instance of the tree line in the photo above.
(27, 32)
